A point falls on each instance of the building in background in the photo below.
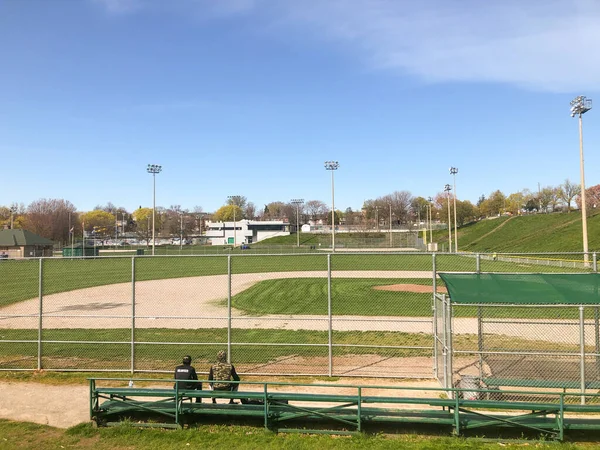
(246, 231)
(24, 244)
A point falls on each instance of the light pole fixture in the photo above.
(579, 106)
(153, 169)
(12, 212)
(377, 217)
(332, 166)
(447, 189)
(453, 172)
(233, 199)
(297, 202)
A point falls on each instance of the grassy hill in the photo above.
(558, 232)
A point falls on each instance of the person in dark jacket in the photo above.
(184, 373)
(223, 371)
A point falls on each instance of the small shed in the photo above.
(24, 244)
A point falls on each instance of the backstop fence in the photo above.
(351, 314)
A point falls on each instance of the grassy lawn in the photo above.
(111, 348)
(351, 296)
(20, 277)
(20, 435)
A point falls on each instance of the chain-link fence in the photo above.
(542, 347)
(348, 314)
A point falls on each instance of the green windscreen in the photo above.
(525, 288)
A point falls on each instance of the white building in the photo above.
(246, 231)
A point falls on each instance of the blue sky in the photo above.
(250, 97)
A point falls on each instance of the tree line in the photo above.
(59, 220)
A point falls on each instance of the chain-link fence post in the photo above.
(434, 313)
(329, 316)
(229, 308)
(132, 315)
(444, 340)
(41, 312)
(595, 263)
(478, 263)
(582, 352)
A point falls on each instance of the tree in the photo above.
(496, 203)
(238, 200)
(546, 198)
(555, 198)
(50, 218)
(465, 212)
(419, 208)
(143, 223)
(14, 213)
(316, 209)
(592, 199)
(568, 191)
(226, 213)
(100, 221)
(277, 211)
(250, 211)
(515, 203)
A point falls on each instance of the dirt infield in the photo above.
(415, 288)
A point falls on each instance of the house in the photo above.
(24, 244)
(244, 231)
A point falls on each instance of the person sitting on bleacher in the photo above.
(186, 372)
(223, 371)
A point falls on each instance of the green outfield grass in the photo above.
(20, 277)
(351, 296)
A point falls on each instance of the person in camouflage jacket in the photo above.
(223, 371)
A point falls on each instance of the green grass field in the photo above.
(111, 348)
(21, 435)
(20, 277)
(556, 232)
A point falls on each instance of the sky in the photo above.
(251, 97)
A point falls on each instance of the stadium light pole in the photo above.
(447, 189)
(430, 200)
(233, 199)
(332, 166)
(297, 202)
(390, 204)
(153, 169)
(453, 172)
(180, 232)
(579, 106)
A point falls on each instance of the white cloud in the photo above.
(537, 44)
(545, 45)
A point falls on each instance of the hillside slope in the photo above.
(558, 232)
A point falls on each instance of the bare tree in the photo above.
(237, 200)
(50, 218)
(555, 198)
(568, 191)
(316, 209)
(250, 211)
